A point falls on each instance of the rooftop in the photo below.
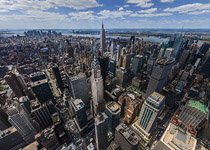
(165, 61)
(35, 104)
(113, 146)
(54, 65)
(127, 133)
(189, 119)
(198, 105)
(48, 133)
(139, 56)
(23, 99)
(37, 74)
(32, 146)
(39, 82)
(170, 49)
(113, 107)
(132, 96)
(175, 139)
(101, 117)
(78, 104)
(79, 76)
(134, 90)
(156, 98)
(7, 132)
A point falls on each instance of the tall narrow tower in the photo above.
(97, 88)
(101, 130)
(102, 39)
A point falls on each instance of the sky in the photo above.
(89, 14)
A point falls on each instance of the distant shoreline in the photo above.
(157, 34)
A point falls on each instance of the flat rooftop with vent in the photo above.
(78, 104)
(127, 133)
(175, 138)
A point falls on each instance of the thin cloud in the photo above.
(193, 8)
(141, 3)
(151, 10)
(47, 4)
(82, 15)
(167, 1)
(151, 15)
(114, 14)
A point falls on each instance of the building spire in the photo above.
(102, 25)
(102, 39)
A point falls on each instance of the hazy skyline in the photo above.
(88, 14)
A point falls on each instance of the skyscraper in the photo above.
(97, 87)
(113, 110)
(159, 76)
(126, 61)
(137, 64)
(122, 76)
(131, 103)
(101, 130)
(191, 117)
(184, 58)
(126, 138)
(10, 139)
(48, 139)
(80, 112)
(69, 49)
(174, 138)
(57, 74)
(102, 39)
(205, 71)
(25, 103)
(3, 71)
(132, 43)
(42, 90)
(3, 97)
(113, 49)
(42, 116)
(104, 63)
(150, 110)
(21, 121)
(36, 76)
(79, 88)
(168, 52)
(161, 52)
(204, 48)
(112, 68)
(16, 83)
(150, 65)
(4, 124)
(178, 43)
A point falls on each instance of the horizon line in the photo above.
(105, 28)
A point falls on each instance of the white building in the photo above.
(149, 113)
(97, 87)
(21, 121)
(175, 139)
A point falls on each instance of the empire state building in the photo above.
(102, 39)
